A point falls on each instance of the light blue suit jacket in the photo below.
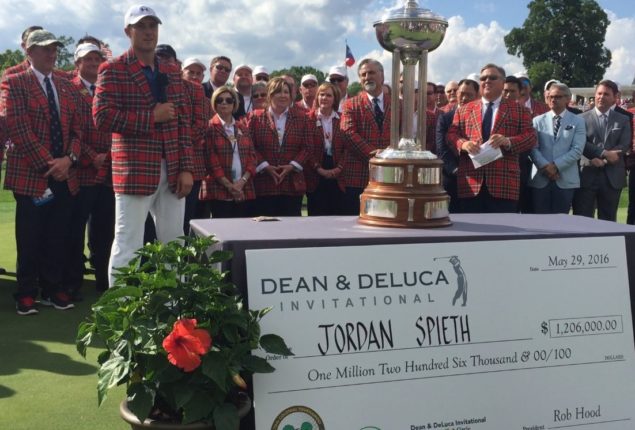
(564, 150)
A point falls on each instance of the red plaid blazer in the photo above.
(3, 136)
(295, 147)
(501, 176)
(339, 143)
(123, 105)
(364, 136)
(93, 141)
(197, 103)
(219, 156)
(538, 108)
(25, 106)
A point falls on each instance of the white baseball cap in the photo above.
(551, 81)
(84, 49)
(260, 70)
(137, 12)
(308, 77)
(338, 70)
(191, 61)
(242, 66)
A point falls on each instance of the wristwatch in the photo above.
(73, 158)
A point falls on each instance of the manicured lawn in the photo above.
(44, 382)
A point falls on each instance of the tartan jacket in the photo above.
(25, 107)
(93, 141)
(295, 147)
(364, 136)
(339, 146)
(197, 102)
(219, 157)
(538, 108)
(123, 105)
(501, 176)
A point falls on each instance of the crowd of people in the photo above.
(132, 148)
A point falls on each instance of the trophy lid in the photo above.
(410, 28)
(409, 12)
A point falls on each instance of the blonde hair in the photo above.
(274, 86)
(336, 95)
(226, 89)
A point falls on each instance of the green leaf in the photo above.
(214, 366)
(257, 364)
(199, 407)
(226, 417)
(140, 399)
(113, 294)
(274, 344)
(110, 374)
(84, 337)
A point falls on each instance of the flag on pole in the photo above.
(350, 60)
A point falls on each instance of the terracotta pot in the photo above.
(135, 424)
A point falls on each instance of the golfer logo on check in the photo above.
(461, 279)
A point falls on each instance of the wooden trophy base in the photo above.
(405, 193)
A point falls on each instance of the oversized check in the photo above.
(504, 335)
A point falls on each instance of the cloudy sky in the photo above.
(282, 33)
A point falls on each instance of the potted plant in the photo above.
(177, 334)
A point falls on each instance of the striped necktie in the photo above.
(556, 125)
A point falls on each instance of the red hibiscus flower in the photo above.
(186, 344)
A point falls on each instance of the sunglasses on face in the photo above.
(223, 68)
(309, 85)
(336, 80)
(225, 100)
(489, 78)
(262, 78)
(258, 96)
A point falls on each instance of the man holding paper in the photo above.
(488, 134)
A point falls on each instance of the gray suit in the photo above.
(563, 150)
(601, 186)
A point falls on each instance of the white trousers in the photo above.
(131, 212)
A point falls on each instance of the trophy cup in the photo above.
(405, 188)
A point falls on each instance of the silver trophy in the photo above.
(405, 188)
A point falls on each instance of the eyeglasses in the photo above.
(557, 97)
(225, 100)
(258, 96)
(223, 68)
(336, 80)
(489, 78)
(309, 85)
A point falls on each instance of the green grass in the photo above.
(44, 382)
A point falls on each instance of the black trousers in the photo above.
(94, 205)
(630, 217)
(232, 209)
(599, 195)
(41, 232)
(192, 206)
(484, 202)
(278, 206)
(327, 199)
(351, 200)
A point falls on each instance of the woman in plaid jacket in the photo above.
(231, 160)
(280, 135)
(325, 186)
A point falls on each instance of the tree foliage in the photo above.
(564, 40)
(64, 56)
(10, 58)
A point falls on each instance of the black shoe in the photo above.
(60, 301)
(26, 306)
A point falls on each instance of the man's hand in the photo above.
(58, 168)
(471, 147)
(598, 162)
(184, 184)
(273, 172)
(99, 160)
(551, 171)
(499, 141)
(612, 156)
(164, 112)
(284, 170)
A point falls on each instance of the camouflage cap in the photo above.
(42, 38)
